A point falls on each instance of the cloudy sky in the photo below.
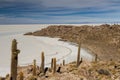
(59, 11)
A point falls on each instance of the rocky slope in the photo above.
(100, 70)
(103, 40)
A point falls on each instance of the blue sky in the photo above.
(59, 11)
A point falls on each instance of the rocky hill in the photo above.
(103, 40)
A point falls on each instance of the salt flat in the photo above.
(31, 47)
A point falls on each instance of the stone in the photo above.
(104, 72)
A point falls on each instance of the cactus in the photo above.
(54, 65)
(21, 76)
(78, 56)
(63, 62)
(96, 56)
(42, 62)
(14, 60)
(81, 61)
(34, 67)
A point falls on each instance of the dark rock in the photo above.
(115, 66)
(58, 69)
(46, 76)
(104, 72)
(46, 69)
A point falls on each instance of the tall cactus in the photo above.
(54, 65)
(42, 62)
(78, 55)
(14, 60)
(34, 67)
(63, 62)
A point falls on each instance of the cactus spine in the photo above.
(14, 60)
(21, 76)
(78, 55)
(42, 62)
(34, 67)
(54, 65)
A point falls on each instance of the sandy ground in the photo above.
(31, 47)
